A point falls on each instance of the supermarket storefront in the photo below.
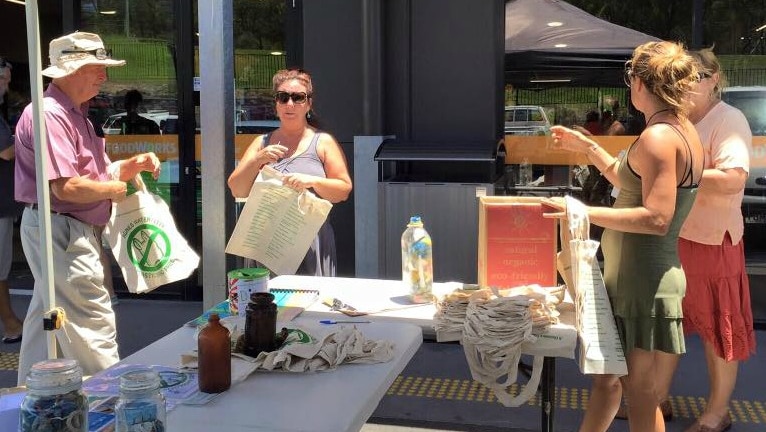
(403, 68)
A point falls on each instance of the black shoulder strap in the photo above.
(689, 166)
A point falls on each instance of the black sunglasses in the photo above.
(99, 53)
(628, 75)
(298, 98)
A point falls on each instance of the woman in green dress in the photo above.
(657, 179)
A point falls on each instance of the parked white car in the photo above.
(168, 123)
(752, 102)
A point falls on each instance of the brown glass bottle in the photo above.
(214, 357)
(260, 324)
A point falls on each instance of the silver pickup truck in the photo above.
(526, 120)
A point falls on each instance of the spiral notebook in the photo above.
(290, 304)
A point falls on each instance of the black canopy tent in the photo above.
(552, 43)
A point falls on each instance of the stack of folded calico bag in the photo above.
(492, 325)
(451, 309)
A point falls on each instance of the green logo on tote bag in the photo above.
(148, 248)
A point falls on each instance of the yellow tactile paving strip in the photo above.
(742, 411)
(9, 361)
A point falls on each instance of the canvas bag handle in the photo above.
(138, 183)
(577, 219)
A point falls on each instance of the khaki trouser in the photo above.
(78, 277)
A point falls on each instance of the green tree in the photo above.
(664, 19)
(259, 24)
(728, 24)
(731, 25)
(151, 19)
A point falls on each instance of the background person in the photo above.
(658, 179)
(83, 183)
(711, 247)
(9, 211)
(309, 158)
(134, 123)
(592, 123)
(607, 119)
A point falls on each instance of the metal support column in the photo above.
(216, 53)
(548, 394)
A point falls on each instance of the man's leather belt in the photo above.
(33, 206)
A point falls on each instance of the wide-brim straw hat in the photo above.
(73, 51)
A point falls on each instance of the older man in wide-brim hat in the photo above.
(83, 183)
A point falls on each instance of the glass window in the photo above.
(137, 107)
(259, 51)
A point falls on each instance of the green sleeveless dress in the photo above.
(643, 273)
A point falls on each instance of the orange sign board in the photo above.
(241, 143)
(538, 150)
(517, 245)
(125, 146)
(164, 146)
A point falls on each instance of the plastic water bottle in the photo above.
(525, 172)
(417, 261)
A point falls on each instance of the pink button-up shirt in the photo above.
(726, 137)
(74, 150)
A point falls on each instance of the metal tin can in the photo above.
(242, 283)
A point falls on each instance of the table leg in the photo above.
(548, 393)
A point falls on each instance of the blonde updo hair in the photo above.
(284, 75)
(708, 65)
(668, 72)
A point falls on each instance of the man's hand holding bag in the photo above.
(145, 242)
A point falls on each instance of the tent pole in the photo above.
(41, 157)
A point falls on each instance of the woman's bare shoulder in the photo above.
(662, 134)
(326, 140)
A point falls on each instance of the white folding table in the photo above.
(332, 401)
(388, 300)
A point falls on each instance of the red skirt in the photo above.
(717, 301)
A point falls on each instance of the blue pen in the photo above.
(329, 321)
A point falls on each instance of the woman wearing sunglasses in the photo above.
(658, 179)
(309, 158)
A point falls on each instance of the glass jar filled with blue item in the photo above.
(54, 400)
(141, 406)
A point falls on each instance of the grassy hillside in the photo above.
(152, 60)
